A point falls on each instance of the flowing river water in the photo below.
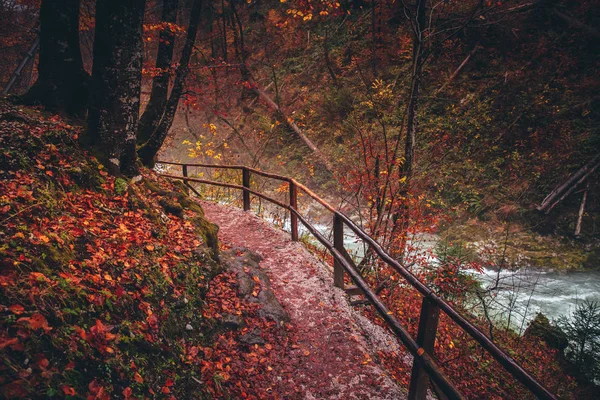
(521, 294)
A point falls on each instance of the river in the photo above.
(521, 294)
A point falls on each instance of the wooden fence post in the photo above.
(246, 184)
(184, 170)
(294, 205)
(338, 244)
(428, 322)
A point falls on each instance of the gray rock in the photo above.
(246, 265)
(251, 338)
(232, 322)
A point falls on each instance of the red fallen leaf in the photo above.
(15, 389)
(38, 276)
(165, 390)
(127, 392)
(138, 378)
(152, 321)
(37, 321)
(68, 390)
(9, 342)
(16, 309)
(169, 382)
(41, 361)
(70, 365)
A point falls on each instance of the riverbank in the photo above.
(513, 245)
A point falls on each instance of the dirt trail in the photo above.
(341, 343)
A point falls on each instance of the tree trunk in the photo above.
(581, 211)
(418, 23)
(116, 84)
(418, 28)
(148, 151)
(62, 84)
(160, 84)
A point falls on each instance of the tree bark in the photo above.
(160, 84)
(148, 151)
(581, 211)
(402, 217)
(62, 84)
(551, 200)
(116, 84)
(418, 28)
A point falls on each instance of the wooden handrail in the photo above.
(420, 348)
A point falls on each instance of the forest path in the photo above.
(334, 358)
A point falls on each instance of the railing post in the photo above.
(294, 205)
(184, 170)
(428, 322)
(338, 244)
(246, 184)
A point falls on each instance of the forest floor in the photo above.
(336, 349)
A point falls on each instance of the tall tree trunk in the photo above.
(62, 82)
(418, 28)
(116, 84)
(160, 84)
(148, 151)
(418, 23)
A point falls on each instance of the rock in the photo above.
(251, 338)
(232, 322)
(542, 328)
(246, 265)
(171, 208)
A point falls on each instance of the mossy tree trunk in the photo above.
(160, 84)
(116, 84)
(148, 151)
(62, 84)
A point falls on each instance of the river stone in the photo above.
(551, 334)
(253, 337)
(246, 265)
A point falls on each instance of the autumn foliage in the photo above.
(101, 288)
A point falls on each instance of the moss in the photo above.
(190, 204)
(171, 207)
(182, 187)
(87, 176)
(121, 186)
(153, 187)
(57, 258)
(208, 232)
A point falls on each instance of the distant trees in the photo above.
(62, 81)
(583, 332)
(116, 84)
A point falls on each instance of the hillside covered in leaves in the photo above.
(110, 288)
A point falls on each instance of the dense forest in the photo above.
(462, 136)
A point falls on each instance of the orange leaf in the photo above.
(138, 378)
(150, 247)
(16, 309)
(127, 392)
(68, 390)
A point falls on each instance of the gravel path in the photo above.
(334, 359)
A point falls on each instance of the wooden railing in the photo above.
(425, 369)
